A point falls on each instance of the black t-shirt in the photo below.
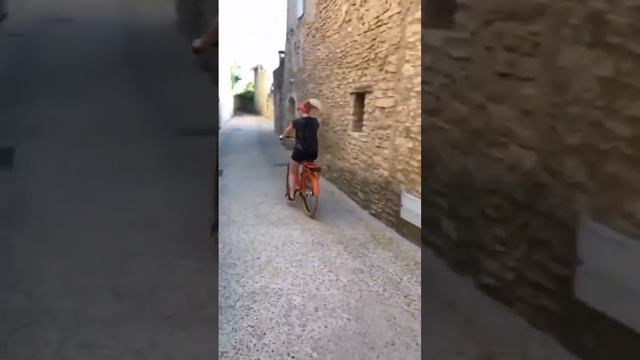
(306, 134)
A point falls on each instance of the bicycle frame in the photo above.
(307, 185)
(310, 179)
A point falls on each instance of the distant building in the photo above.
(262, 92)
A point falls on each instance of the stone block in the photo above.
(385, 102)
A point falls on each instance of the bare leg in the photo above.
(293, 177)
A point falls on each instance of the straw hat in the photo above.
(316, 104)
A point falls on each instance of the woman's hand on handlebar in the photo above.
(207, 41)
(198, 47)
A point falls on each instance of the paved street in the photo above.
(340, 287)
(343, 286)
(104, 217)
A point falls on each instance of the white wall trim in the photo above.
(608, 277)
(411, 209)
(299, 8)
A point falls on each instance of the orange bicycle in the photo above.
(308, 186)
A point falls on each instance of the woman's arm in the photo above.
(211, 38)
(287, 132)
(208, 40)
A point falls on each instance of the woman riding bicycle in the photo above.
(306, 146)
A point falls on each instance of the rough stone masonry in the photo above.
(531, 117)
(337, 49)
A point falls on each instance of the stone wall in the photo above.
(279, 97)
(531, 119)
(340, 47)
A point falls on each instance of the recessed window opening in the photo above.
(357, 120)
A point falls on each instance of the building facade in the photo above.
(532, 161)
(362, 61)
(262, 93)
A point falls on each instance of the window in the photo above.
(299, 8)
(358, 112)
(438, 14)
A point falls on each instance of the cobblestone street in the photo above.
(343, 286)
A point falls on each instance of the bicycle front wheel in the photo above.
(310, 204)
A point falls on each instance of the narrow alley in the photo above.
(105, 214)
(342, 286)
